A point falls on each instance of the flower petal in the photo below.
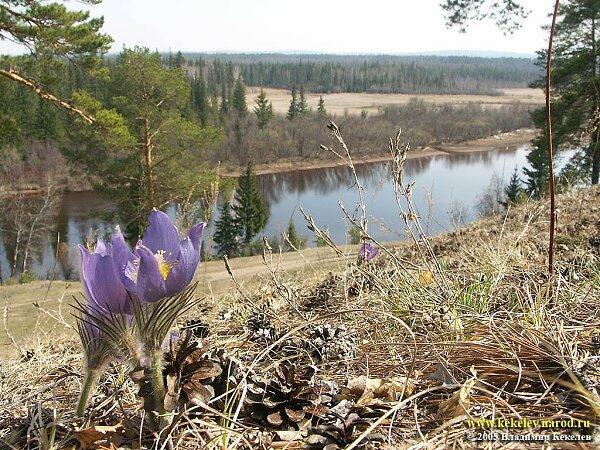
(103, 289)
(183, 272)
(101, 247)
(368, 251)
(195, 234)
(162, 235)
(83, 270)
(150, 285)
(122, 257)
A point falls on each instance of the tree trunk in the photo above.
(33, 228)
(594, 56)
(595, 155)
(594, 147)
(16, 256)
(147, 147)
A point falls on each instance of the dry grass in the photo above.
(41, 305)
(355, 103)
(463, 327)
(509, 343)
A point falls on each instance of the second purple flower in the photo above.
(162, 263)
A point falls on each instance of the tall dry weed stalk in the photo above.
(551, 186)
(407, 211)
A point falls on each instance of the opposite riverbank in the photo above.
(501, 141)
(508, 140)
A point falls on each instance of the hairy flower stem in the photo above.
(89, 382)
(158, 387)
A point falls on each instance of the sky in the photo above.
(327, 26)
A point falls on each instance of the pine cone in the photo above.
(343, 423)
(188, 373)
(231, 375)
(262, 328)
(331, 343)
(287, 400)
(323, 293)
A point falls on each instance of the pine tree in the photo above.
(224, 108)
(249, 206)
(575, 81)
(263, 110)
(513, 191)
(536, 181)
(156, 162)
(321, 107)
(296, 241)
(52, 34)
(227, 232)
(293, 110)
(46, 123)
(178, 61)
(238, 101)
(200, 99)
(506, 13)
(302, 104)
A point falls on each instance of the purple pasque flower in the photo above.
(368, 251)
(162, 264)
(101, 284)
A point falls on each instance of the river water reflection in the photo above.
(447, 191)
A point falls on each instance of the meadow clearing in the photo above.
(355, 103)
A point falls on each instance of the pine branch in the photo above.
(11, 74)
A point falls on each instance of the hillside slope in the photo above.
(411, 349)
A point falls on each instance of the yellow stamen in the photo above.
(163, 266)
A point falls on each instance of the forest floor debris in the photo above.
(376, 355)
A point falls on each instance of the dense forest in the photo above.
(366, 73)
(36, 136)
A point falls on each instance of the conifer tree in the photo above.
(296, 241)
(200, 99)
(238, 100)
(293, 110)
(506, 13)
(46, 123)
(224, 108)
(263, 110)
(513, 191)
(575, 81)
(178, 61)
(214, 103)
(157, 161)
(302, 104)
(227, 232)
(249, 206)
(536, 181)
(321, 107)
(52, 34)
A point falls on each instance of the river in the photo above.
(447, 191)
